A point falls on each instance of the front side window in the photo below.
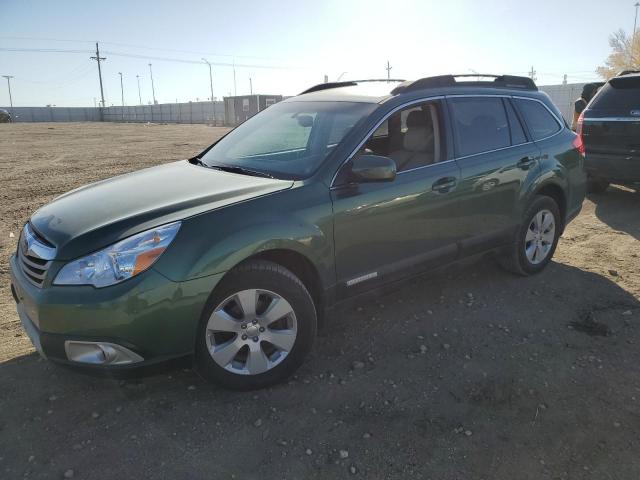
(411, 137)
(289, 140)
(480, 124)
(540, 122)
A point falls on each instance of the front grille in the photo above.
(35, 255)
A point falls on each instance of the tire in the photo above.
(516, 258)
(284, 313)
(597, 185)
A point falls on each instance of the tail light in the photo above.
(578, 142)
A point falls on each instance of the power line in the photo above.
(144, 47)
(146, 57)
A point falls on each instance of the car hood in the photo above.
(99, 214)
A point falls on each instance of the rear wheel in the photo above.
(258, 326)
(535, 241)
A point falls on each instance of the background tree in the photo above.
(625, 55)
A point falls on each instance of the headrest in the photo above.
(416, 118)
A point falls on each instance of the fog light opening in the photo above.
(100, 353)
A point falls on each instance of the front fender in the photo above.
(298, 220)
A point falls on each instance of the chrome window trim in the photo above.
(612, 119)
(444, 97)
(491, 151)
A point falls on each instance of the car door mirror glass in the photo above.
(368, 168)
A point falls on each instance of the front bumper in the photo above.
(148, 315)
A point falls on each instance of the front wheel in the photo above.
(535, 241)
(257, 328)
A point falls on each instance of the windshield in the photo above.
(288, 140)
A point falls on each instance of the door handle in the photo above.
(444, 185)
(526, 162)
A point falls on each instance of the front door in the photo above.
(386, 231)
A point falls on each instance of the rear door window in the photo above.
(480, 124)
(541, 122)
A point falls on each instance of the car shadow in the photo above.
(468, 359)
(613, 207)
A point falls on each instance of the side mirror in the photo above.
(368, 168)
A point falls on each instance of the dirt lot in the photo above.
(470, 373)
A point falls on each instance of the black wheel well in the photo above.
(557, 193)
(301, 267)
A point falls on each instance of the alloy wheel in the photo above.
(251, 331)
(540, 236)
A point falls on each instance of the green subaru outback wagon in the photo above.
(234, 256)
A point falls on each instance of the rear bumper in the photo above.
(151, 316)
(614, 168)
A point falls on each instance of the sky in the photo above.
(286, 46)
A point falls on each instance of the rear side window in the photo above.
(620, 95)
(480, 124)
(540, 121)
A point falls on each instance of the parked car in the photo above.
(610, 129)
(235, 255)
(5, 117)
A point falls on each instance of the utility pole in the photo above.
(388, 69)
(139, 96)
(9, 77)
(250, 86)
(153, 90)
(235, 91)
(99, 59)
(532, 74)
(121, 88)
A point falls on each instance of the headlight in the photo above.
(121, 260)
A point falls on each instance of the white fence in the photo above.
(191, 112)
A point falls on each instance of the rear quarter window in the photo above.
(540, 121)
(620, 95)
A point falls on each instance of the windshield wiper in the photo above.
(197, 161)
(240, 170)
(232, 169)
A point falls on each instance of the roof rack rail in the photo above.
(627, 72)
(348, 83)
(505, 81)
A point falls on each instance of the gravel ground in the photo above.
(468, 373)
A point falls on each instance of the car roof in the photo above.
(379, 91)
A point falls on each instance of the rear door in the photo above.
(496, 159)
(611, 130)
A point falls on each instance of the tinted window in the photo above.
(540, 122)
(620, 95)
(480, 124)
(517, 133)
(290, 139)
